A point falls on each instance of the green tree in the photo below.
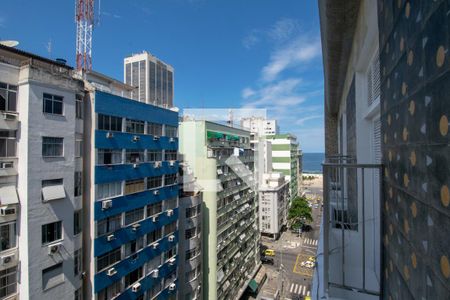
(300, 211)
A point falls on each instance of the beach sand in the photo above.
(312, 188)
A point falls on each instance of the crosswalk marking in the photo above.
(299, 289)
(311, 242)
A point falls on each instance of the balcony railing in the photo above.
(351, 226)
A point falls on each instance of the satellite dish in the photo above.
(9, 43)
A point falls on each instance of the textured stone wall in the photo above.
(415, 112)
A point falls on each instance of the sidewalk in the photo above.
(288, 240)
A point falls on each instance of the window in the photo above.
(154, 129)
(109, 292)
(109, 156)
(170, 179)
(134, 186)
(192, 253)
(108, 259)
(79, 147)
(154, 182)
(192, 211)
(171, 131)
(134, 246)
(53, 104)
(153, 209)
(190, 233)
(153, 264)
(134, 126)
(7, 236)
(51, 232)
(8, 97)
(169, 254)
(108, 225)
(154, 236)
(52, 146)
(132, 277)
(154, 155)
(155, 290)
(8, 282)
(109, 123)
(77, 221)
(170, 203)
(52, 276)
(78, 186)
(170, 228)
(170, 155)
(53, 189)
(108, 190)
(134, 156)
(134, 215)
(77, 262)
(79, 110)
(7, 143)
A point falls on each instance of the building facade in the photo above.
(260, 125)
(386, 126)
(153, 79)
(223, 163)
(273, 204)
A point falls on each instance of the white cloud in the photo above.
(281, 93)
(283, 29)
(311, 139)
(299, 51)
(302, 121)
(247, 92)
(251, 39)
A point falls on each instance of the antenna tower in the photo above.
(84, 17)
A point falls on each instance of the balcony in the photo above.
(350, 236)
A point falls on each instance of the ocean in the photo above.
(312, 162)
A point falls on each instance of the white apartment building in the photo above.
(40, 178)
(260, 125)
(273, 204)
(153, 78)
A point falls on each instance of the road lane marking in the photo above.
(295, 265)
(307, 294)
(292, 287)
(303, 290)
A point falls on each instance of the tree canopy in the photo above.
(300, 211)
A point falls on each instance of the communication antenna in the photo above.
(84, 17)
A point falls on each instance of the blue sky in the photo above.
(226, 54)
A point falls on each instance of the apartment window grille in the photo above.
(192, 253)
(170, 179)
(134, 246)
(8, 236)
(134, 156)
(134, 216)
(77, 262)
(154, 155)
(154, 129)
(53, 104)
(79, 110)
(142, 82)
(154, 182)
(108, 259)
(52, 146)
(153, 209)
(169, 254)
(109, 156)
(8, 282)
(135, 126)
(108, 225)
(109, 123)
(135, 79)
(190, 233)
(373, 80)
(51, 232)
(170, 228)
(170, 203)
(134, 186)
(154, 236)
(78, 147)
(110, 292)
(7, 143)
(77, 222)
(192, 211)
(8, 97)
(133, 277)
(170, 155)
(78, 184)
(171, 131)
(108, 190)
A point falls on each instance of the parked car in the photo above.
(269, 252)
(267, 260)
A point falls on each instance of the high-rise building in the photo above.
(153, 79)
(223, 163)
(386, 216)
(260, 125)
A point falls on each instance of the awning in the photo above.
(53, 192)
(253, 285)
(213, 134)
(8, 195)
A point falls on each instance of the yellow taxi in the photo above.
(269, 252)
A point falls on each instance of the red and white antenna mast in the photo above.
(84, 17)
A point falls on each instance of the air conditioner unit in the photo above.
(106, 204)
(156, 192)
(7, 211)
(7, 259)
(158, 164)
(6, 165)
(172, 261)
(169, 212)
(136, 138)
(172, 163)
(109, 135)
(172, 287)
(136, 287)
(9, 116)
(172, 139)
(171, 238)
(155, 219)
(155, 273)
(110, 237)
(53, 249)
(155, 137)
(135, 165)
(111, 272)
(155, 245)
(135, 226)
